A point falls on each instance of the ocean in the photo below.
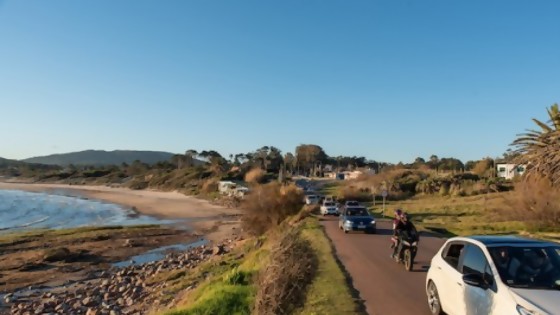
(20, 211)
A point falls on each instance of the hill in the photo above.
(101, 157)
(7, 162)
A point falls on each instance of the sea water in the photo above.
(20, 210)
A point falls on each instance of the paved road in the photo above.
(384, 286)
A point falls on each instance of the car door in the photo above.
(450, 280)
(478, 300)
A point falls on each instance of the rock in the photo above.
(129, 302)
(114, 312)
(91, 311)
(57, 254)
(131, 243)
(88, 301)
(105, 283)
(120, 301)
(108, 296)
(61, 308)
(122, 289)
(31, 266)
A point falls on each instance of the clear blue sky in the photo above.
(389, 80)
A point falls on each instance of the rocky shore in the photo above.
(127, 290)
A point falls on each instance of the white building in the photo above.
(509, 171)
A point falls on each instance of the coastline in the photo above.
(214, 222)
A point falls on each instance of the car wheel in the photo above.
(433, 299)
(345, 231)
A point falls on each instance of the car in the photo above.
(329, 208)
(351, 203)
(329, 199)
(311, 199)
(357, 219)
(494, 275)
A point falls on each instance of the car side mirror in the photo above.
(475, 280)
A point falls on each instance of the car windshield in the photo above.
(329, 204)
(528, 267)
(352, 203)
(356, 212)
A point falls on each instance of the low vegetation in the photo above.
(289, 270)
(268, 205)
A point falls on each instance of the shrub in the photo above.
(268, 205)
(283, 283)
(255, 176)
(209, 186)
(537, 203)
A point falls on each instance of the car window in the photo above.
(356, 212)
(475, 261)
(531, 267)
(452, 253)
(329, 204)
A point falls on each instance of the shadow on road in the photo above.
(423, 268)
(360, 306)
(384, 232)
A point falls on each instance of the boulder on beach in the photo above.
(57, 254)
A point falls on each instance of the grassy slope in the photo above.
(452, 216)
(70, 234)
(220, 293)
(329, 292)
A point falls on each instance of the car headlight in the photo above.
(348, 222)
(373, 222)
(523, 311)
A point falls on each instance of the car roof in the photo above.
(505, 240)
(355, 207)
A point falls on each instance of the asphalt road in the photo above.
(384, 286)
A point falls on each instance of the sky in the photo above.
(388, 80)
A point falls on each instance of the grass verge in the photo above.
(228, 285)
(329, 292)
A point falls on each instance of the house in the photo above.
(232, 189)
(509, 171)
(224, 187)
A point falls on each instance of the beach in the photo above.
(214, 222)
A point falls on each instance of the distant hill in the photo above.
(6, 162)
(100, 157)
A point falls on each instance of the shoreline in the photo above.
(214, 222)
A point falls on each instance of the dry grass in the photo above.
(460, 215)
(268, 205)
(283, 283)
(255, 176)
(209, 186)
(537, 203)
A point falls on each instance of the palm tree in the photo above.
(539, 149)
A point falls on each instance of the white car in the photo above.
(312, 199)
(329, 208)
(495, 275)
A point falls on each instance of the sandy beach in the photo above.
(212, 221)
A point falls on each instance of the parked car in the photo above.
(329, 199)
(495, 275)
(351, 203)
(357, 219)
(311, 199)
(329, 208)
